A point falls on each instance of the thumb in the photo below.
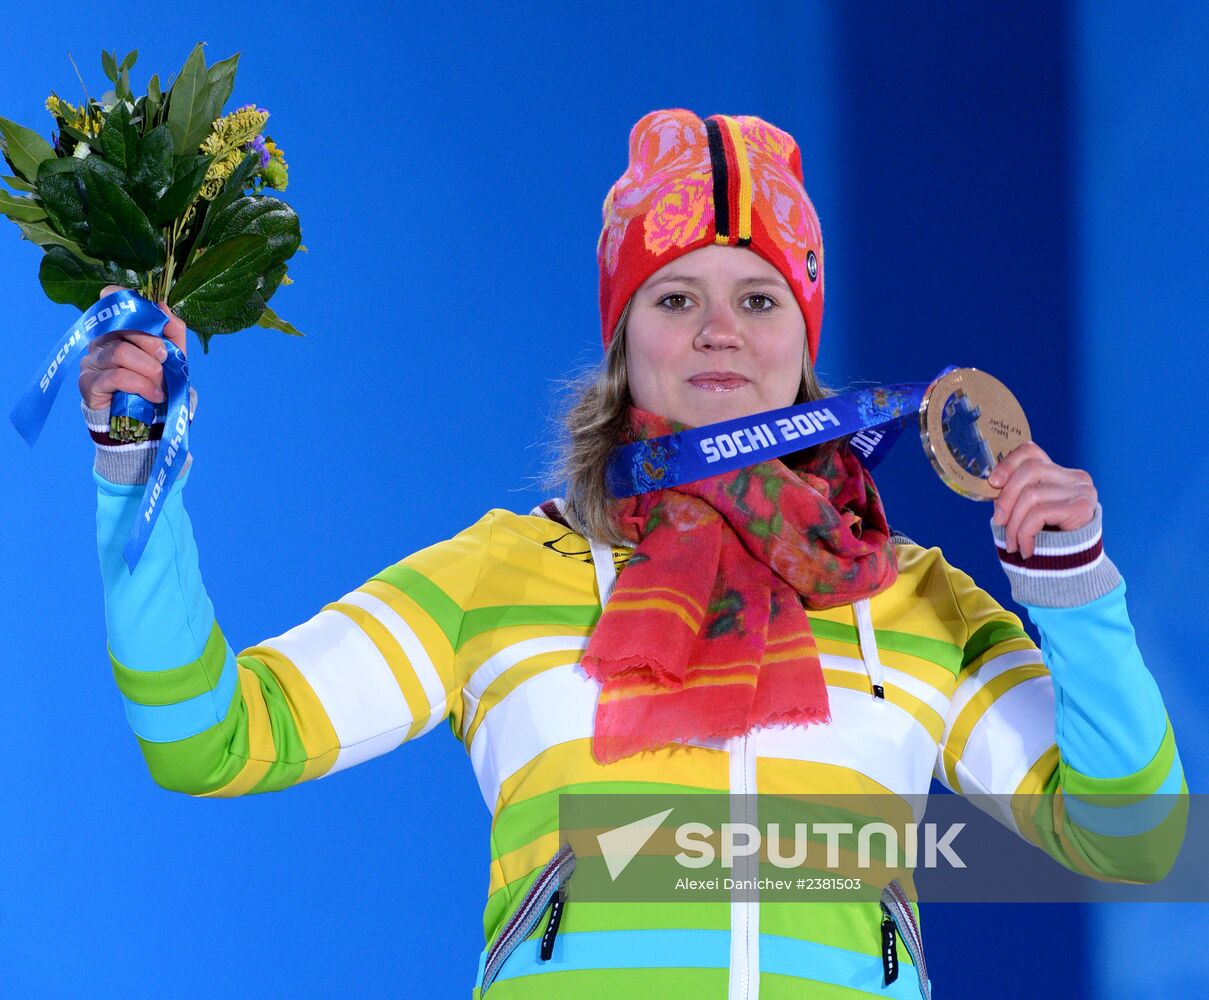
(175, 329)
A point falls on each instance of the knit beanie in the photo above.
(728, 180)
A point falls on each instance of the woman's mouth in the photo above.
(719, 381)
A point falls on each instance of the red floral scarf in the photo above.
(705, 633)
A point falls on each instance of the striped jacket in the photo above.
(484, 632)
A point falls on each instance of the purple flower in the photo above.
(257, 146)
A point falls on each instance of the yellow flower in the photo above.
(60, 108)
(233, 130)
(225, 143)
(81, 119)
(219, 171)
(275, 175)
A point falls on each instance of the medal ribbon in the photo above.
(121, 310)
(874, 417)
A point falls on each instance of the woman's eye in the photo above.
(761, 303)
(675, 301)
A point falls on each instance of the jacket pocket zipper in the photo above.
(897, 915)
(549, 890)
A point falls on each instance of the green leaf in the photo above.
(207, 324)
(119, 229)
(152, 173)
(189, 116)
(65, 278)
(21, 209)
(18, 184)
(267, 285)
(24, 149)
(231, 190)
(75, 133)
(129, 60)
(41, 234)
(226, 273)
(189, 173)
(271, 321)
(123, 85)
(261, 214)
(120, 139)
(217, 292)
(222, 81)
(103, 168)
(61, 191)
(155, 100)
(109, 65)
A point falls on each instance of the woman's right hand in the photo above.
(127, 361)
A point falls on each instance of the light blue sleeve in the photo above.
(159, 615)
(1110, 717)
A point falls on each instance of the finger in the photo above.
(1017, 477)
(149, 343)
(1040, 494)
(1028, 473)
(175, 329)
(113, 380)
(1063, 515)
(1014, 458)
(123, 354)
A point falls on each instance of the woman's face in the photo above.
(714, 334)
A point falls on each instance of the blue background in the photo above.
(1022, 190)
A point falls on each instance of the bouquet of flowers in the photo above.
(161, 193)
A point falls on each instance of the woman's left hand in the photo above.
(1036, 493)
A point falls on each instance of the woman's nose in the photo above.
(720, 327)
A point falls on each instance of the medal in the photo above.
(968, 421)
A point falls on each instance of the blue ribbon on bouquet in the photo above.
(121, 310)
(873, 417)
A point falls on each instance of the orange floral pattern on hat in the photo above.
(680, 215)
(780, 200)
(667, 184)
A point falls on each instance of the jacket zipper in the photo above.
(897, 915)
(549, 889)
(869, 654)
(744, 916)
(556, 917)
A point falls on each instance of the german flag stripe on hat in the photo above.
(732, 181)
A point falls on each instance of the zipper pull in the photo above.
(889, 954)
(556, 916)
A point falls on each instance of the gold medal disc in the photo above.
(968, 421)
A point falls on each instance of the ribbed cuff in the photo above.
(129, 464)
(1067, 568)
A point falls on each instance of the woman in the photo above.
(768, 632)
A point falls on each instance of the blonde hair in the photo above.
(593, 426)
